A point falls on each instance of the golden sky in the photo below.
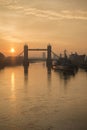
(62, 23)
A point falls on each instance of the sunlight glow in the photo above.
(12, 50)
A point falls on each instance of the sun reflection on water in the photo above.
(13, 85)
(12, 81)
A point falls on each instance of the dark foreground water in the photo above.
(42, 100)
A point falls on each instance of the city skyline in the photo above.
(62, 23)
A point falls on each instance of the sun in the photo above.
(12, 50)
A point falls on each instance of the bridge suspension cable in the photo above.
(55, 54)
(20, 53)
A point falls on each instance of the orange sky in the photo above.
(62, 23)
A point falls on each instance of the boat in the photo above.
(64, 64)
(65, 67)
(83, 66)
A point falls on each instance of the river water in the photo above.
(42, 99)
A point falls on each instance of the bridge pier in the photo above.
(49, 57)
(26, 62)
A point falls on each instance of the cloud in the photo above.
(49, 14)
(7, 2)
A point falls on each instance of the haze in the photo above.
(62, 23)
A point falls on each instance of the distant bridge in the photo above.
(39, 59)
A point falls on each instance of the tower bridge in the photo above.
(48, 50)
(48, 59)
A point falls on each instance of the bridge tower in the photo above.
(49, 57)
(26, 62)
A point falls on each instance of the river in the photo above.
(42, 99)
